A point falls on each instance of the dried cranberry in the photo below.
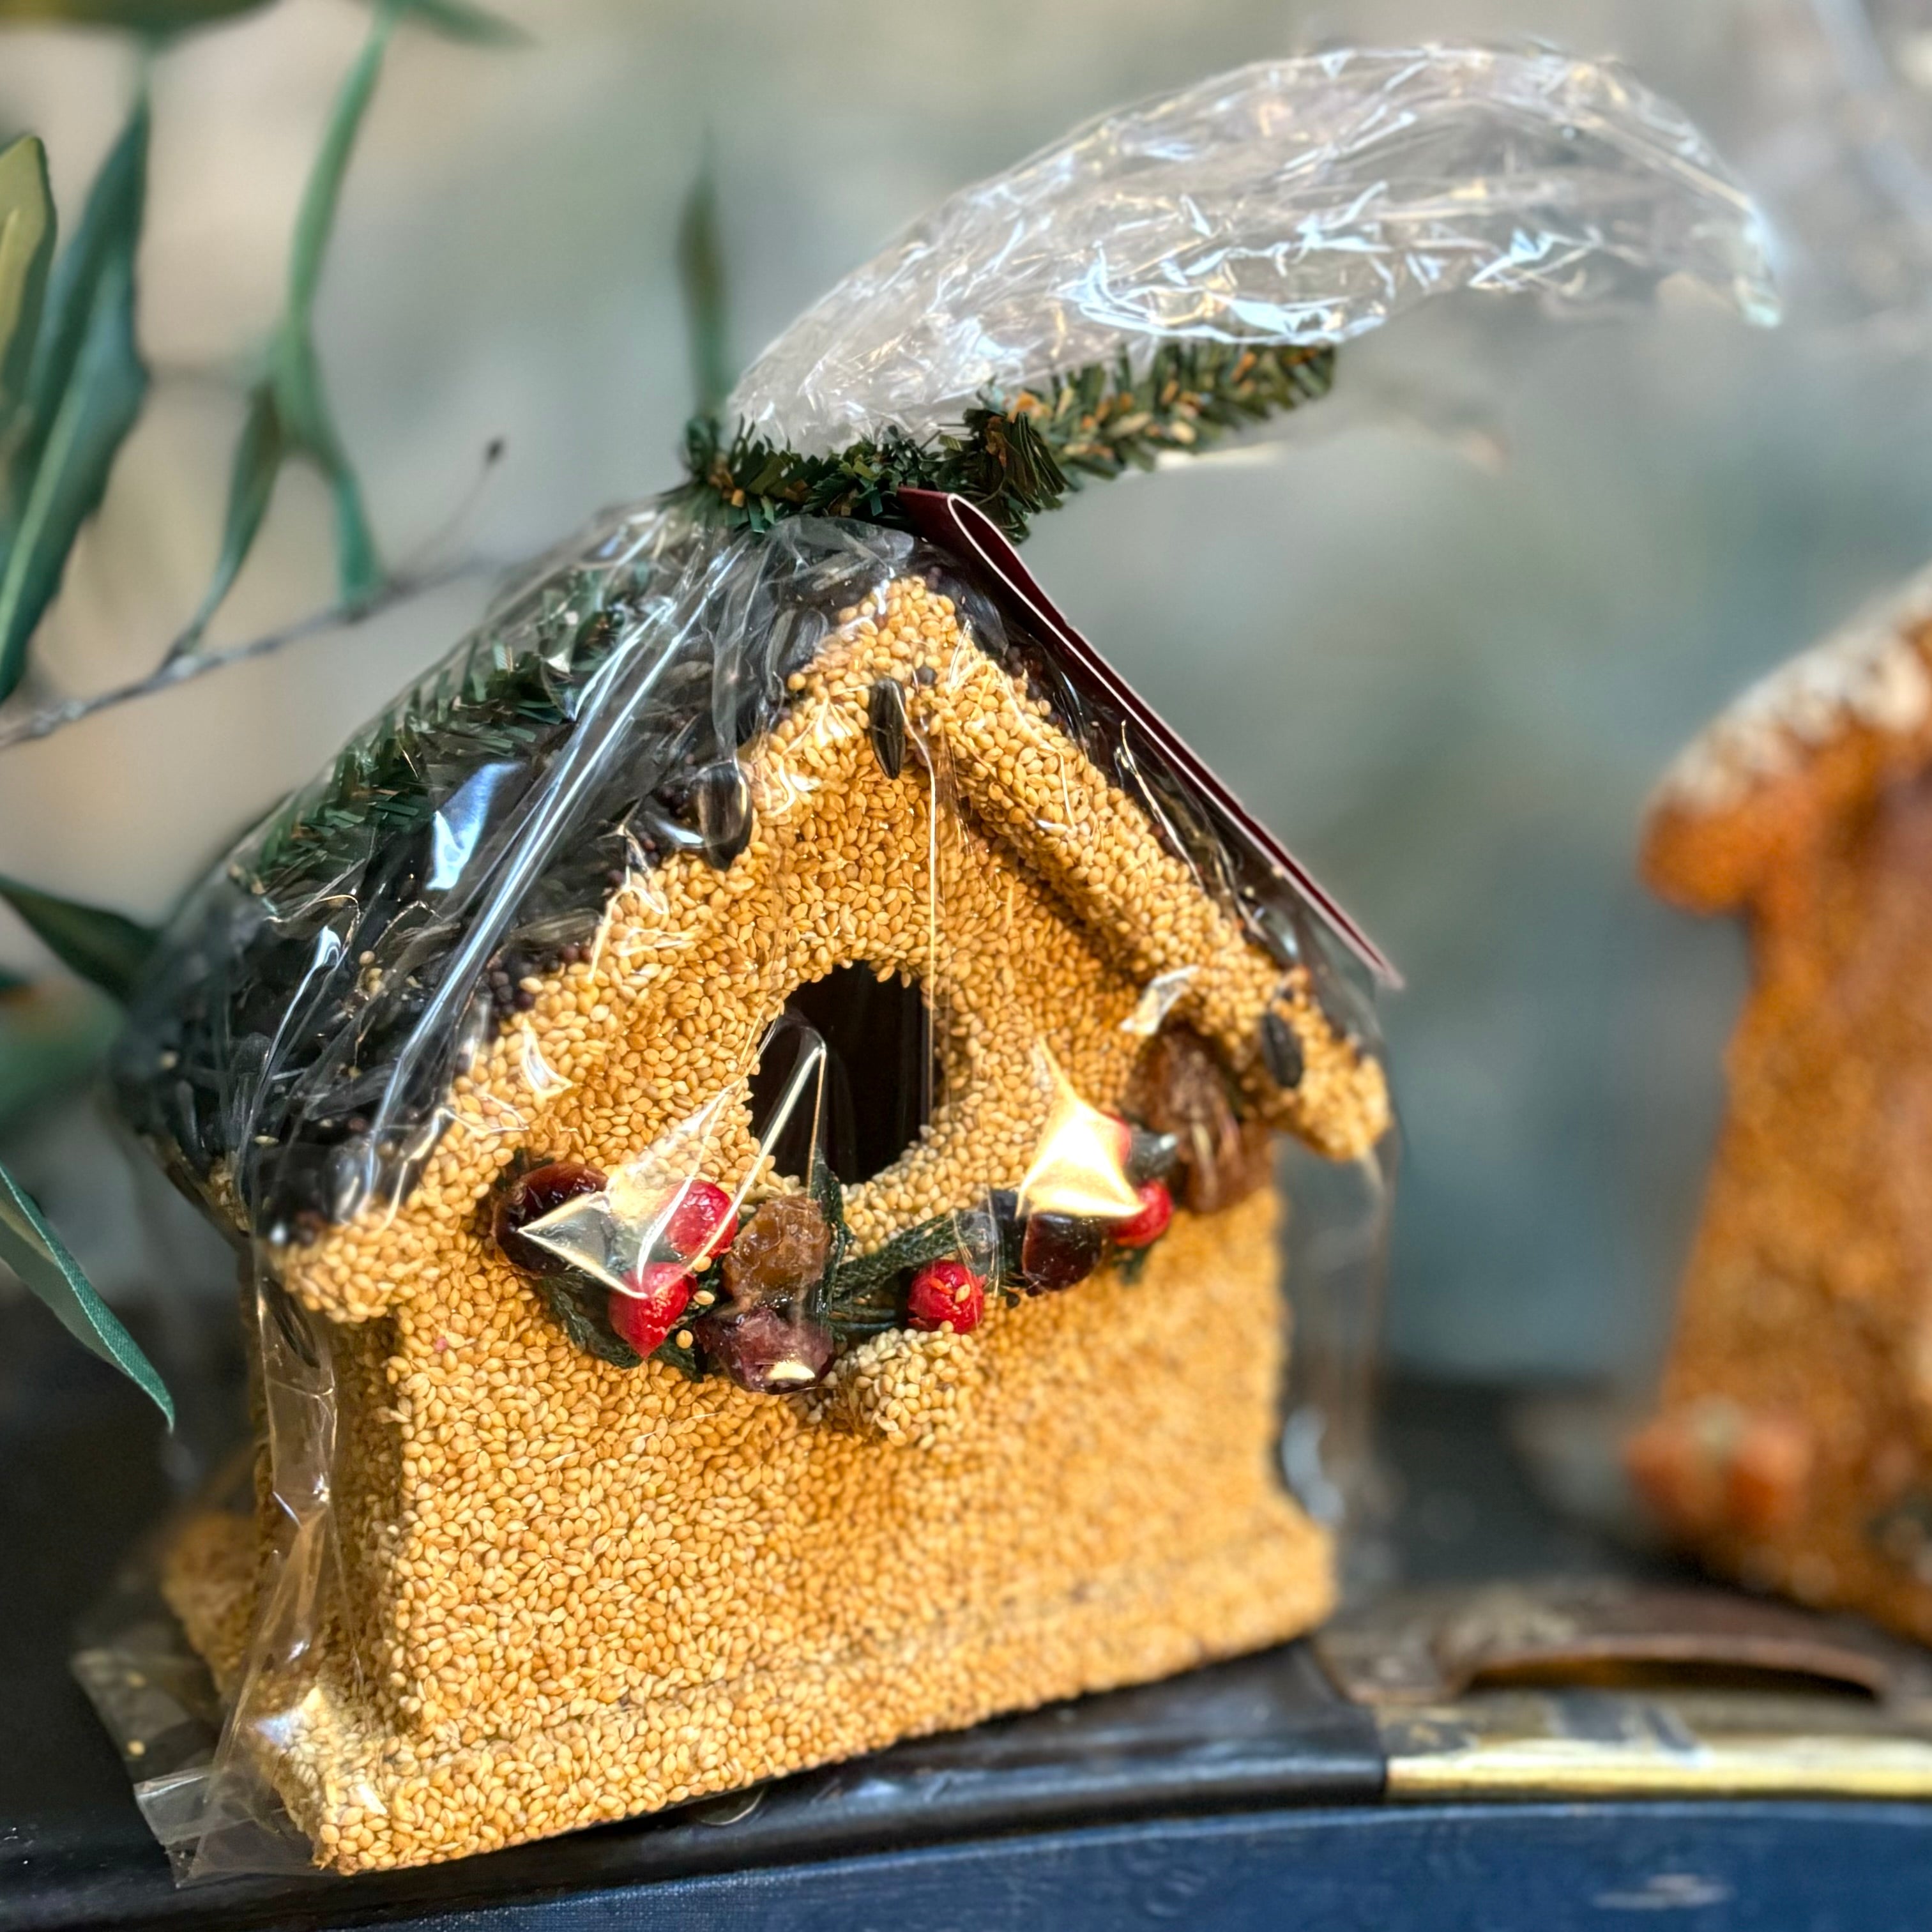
(530, 1198)
(1144, 1229)
(767, 1350)
(946, 1294)
(1057, 1250)
(702, 1223)
(779, 1253)
(646, 1308)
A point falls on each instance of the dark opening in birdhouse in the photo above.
(852, 1061)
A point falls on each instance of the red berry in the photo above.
(944, 1292)
(530, 1197)
(702, 1223)
(1144, 1229)
(646, 1310)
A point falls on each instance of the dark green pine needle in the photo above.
(1017, 457)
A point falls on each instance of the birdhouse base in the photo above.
(1083, 1493)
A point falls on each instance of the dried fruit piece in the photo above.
(946, 1294)
(530, 1198)
(1281, 1052)
(1146, 1227)
(646, 1310)
(702, 1223)
(1685, 1463)
(1766, 1487)
(767, 1350)
(779, 1253)
(1674, 1471)
(1182, 1091)
(1057, 1250)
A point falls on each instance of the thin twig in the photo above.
(182, 670)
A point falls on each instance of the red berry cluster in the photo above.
(1040, 1254)
(754, 1325)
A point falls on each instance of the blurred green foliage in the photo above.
(706, 294)
(36, 1254)
(156, 19)
(288, 408)
(72, 387)
(84, 384)
(107, 947)
(51, 1036)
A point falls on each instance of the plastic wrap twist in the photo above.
(1302, 201)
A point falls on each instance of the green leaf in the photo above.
(308, 430)
(251, 483)
(316, 218)
(26, 248)
(84, 392)
(110, 228)
(288, 414)
(457, 20)
(707, 293)
(152, 18)
(104, 946)
(33, 1252)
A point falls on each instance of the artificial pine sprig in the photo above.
(1013, 456)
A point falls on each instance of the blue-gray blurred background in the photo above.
(1444, 634)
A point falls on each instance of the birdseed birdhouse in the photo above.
(828, 1288)
(1789, 1447)
(748, 1096)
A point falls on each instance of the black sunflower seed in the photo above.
(723, 800)
(885, 711)
(1281, 1049)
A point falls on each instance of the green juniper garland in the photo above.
(1017, 457)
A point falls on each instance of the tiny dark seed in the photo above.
(925, 677)
(525, 999)
(1281, 1048)
(885, 710)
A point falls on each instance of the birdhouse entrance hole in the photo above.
(851, 1062)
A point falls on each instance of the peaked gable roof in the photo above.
(1795, 752)
(293, 1048)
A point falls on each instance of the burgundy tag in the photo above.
(1268, 869)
